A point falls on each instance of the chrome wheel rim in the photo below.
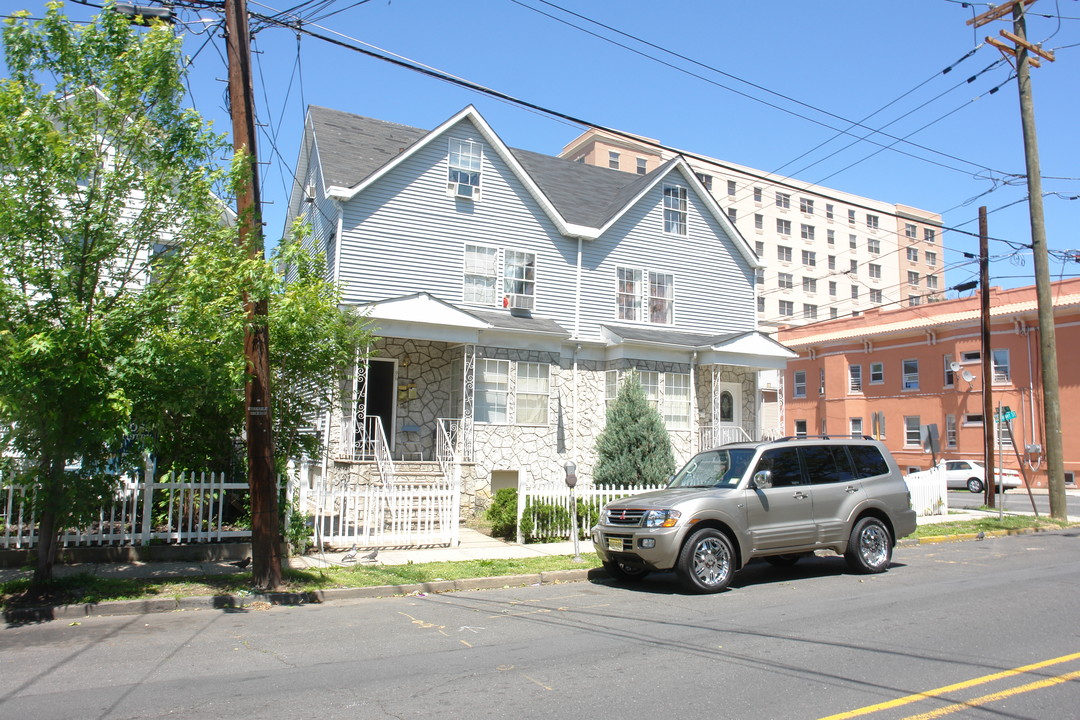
(712, 562)
(874, 545)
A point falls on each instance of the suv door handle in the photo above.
(851, 489)
(800, 495)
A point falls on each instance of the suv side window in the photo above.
(783, 463)
(827, 464)
(868, 461)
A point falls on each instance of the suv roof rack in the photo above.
(787, 438)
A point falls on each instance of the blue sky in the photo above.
(811, 67)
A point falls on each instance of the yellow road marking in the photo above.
(908, 699)
(535, 681)
(975, 702)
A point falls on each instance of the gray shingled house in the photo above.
(511, 291)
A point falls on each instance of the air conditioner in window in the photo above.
(521, 303)
(463, 190)
(309, 192)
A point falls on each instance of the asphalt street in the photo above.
(952, 629)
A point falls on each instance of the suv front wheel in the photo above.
(869, 549)
(706, 562)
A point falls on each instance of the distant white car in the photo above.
(970, 474)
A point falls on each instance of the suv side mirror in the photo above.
(762, 480)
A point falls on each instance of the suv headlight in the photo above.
(660, 518)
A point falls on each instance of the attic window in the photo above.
(463, 179)
(675, 210)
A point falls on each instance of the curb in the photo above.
(316, 597)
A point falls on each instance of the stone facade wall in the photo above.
(535, 453)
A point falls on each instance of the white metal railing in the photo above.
(929, 493)
(390, 515)
(177, 508)
(710, 436)
(547, 507)
(380, 449)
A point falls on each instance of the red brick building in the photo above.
(888, 373)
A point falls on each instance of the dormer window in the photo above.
(463, 179)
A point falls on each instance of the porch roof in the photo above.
(742, 349)
(423, 316)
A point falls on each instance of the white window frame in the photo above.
(950, 431)
(675, 210)
(465, 161)
(950, 376)
(519, 279)
(481, 267)
(787, 308)
(676, 401)
(913, 254)
(628, 293)
(809, 258)
(999, 363)
(613, 160)
(872, 221)
(661, 305)
(798, 384)
(532, 394)
(873, 246)
(912, 431)
(785, 281)
(783, 253)
(783, 200)
(910, 373)
(877, 373)
(783, 227)
(911, 231)
(855, 427)
(855, 383)
(491, 404)
(800, 428)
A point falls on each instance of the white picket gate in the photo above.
(176, 508)
(534, 503)
(929, 494)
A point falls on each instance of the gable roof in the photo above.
(582, 200)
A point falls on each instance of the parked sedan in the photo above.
(971, 474)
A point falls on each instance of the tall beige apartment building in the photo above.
(829, 253)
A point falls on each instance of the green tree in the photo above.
(108, 184)
(634, 449)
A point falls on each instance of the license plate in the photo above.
(615, 544)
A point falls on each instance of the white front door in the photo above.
(729, 411)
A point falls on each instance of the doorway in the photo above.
(380, 395)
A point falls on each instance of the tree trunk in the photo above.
(48, 542)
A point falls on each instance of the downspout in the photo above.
(577, 293)
(695, 426)
(574, 403)
(338, 242)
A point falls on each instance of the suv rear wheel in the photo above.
(869, 549)
(706, 562)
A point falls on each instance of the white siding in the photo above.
(404, 234)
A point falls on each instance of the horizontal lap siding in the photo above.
(713, 282)
(404, 234)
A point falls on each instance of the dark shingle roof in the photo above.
(669, 337)
(352, 147)
(506, 321)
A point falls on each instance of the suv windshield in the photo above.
(714, 468)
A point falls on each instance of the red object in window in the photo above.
(506, 301)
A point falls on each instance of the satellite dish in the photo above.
(966, 374)
(954, 366)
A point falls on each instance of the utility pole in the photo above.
(265, 531)
(987, 366)
(1022, 51)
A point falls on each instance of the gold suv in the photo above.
(777, 500)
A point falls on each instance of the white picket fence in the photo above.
(929, 493)
(184, 508)
(399, 514)
(534, 505)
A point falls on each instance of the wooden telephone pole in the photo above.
(1021, 51)
(265, 530)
